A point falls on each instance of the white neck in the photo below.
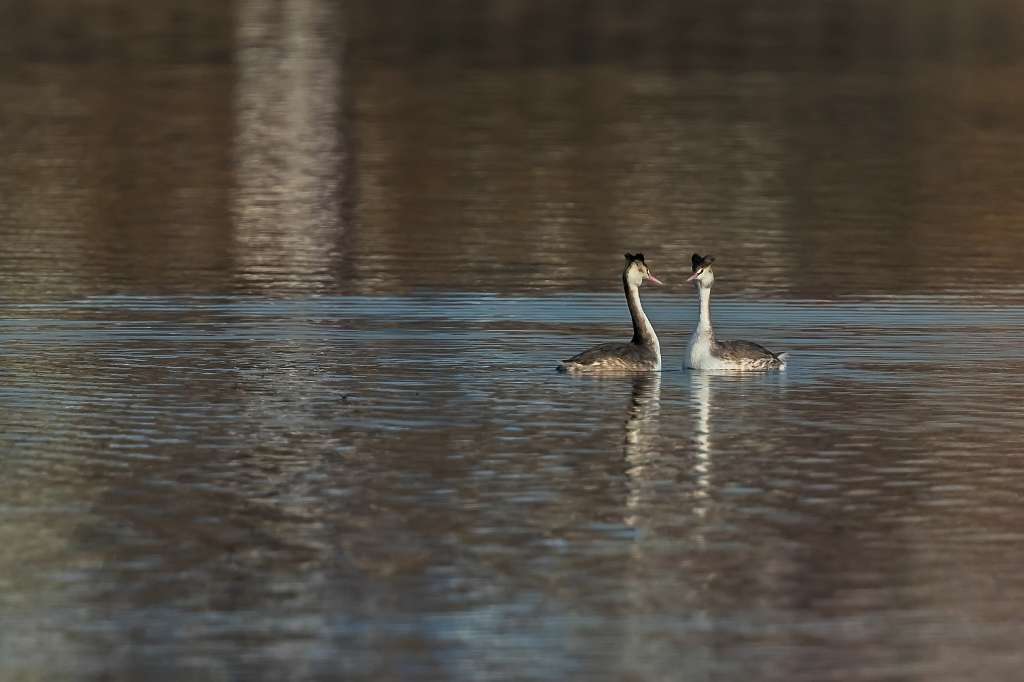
(704, 322)
(643, 331)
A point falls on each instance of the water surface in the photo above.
(283, 287)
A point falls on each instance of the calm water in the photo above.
(283, 285)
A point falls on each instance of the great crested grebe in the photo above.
(706, 352)
(642, 353)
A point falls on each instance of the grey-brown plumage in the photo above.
(744, 352)
(614, 356)
(642, 353)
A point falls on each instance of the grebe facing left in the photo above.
(705, 351)
(642, 353)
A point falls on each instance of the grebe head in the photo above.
(637, 272)
(702, 272)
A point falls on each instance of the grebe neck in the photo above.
(643, 331)
(704, 322)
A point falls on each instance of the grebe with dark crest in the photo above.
(705, 351)
(642, 353)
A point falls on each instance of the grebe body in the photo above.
(642, 353)
(704, 351)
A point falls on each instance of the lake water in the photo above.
(283, 287)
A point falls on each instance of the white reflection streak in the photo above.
(288, 148)
(702, 469)
(641, 432)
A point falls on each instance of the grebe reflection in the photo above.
(702, 440)
(641, 433)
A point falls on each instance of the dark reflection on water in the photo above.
(827, 149)
(283, 286)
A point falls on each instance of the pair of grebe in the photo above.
(642, 353)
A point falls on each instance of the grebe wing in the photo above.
(612, 356)
(603, 352)
(739, 351)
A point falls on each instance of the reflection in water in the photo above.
(701, 382)
(222, 157)
(183, 475)
(641, 448)
(290, 148)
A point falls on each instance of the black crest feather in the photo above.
(699, 261)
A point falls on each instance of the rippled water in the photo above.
(283, 286)
(402, 486)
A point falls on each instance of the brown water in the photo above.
(282, 288)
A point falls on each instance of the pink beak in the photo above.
(694, 276)
(652, 278)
